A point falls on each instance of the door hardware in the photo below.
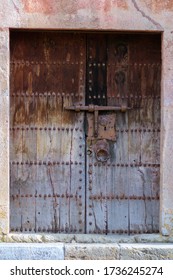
(96, 109)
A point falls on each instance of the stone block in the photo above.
(38, 238)
(166, 192)
(146, 252)
(4, 219)
(91, 252)
(32, 251)
(4, 62)
(103, 239)
(4, 150)
(167, 88)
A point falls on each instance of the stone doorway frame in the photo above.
(166, 160)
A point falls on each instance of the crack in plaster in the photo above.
(15, 6)
(119, 251)
(146, 16)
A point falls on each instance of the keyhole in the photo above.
(105, 128)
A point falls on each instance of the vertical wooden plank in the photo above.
(144, 77)
(117, 70)
(118, 203)
(107, 191)
(117, 185)
(15, 221)
(96, 85)
(96, 196)
(96, 187)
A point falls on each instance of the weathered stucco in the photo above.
(87, 14)
(115, 15)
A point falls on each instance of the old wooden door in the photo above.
(85, 123)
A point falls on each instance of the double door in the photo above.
(84, 132)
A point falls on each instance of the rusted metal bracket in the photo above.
(95, 109)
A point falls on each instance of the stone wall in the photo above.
(63, 251)
(115, 15)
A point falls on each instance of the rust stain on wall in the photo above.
(159, 6)
(40, 6)
(71, 7)
(122, 4)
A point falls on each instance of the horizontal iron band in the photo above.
(48, 230)
(94, 197)
(65, 195)
(120, 231)
(141, 130)
(45, 163)
(76, 94)
(80, 163)
(52, 230)
(125, 164)
(47, 94)
(116, 197)
(44, 128)
(42, 62)
(60, 62)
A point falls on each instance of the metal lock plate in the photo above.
(106, 126)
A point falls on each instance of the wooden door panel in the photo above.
(47, 142)
(123, 195)
(144, 128)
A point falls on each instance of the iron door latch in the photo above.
(96, 109)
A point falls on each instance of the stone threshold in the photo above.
(84, 238)
(67, 251)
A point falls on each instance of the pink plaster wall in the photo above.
(53, 6)
(158, 6)
(87, 14)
